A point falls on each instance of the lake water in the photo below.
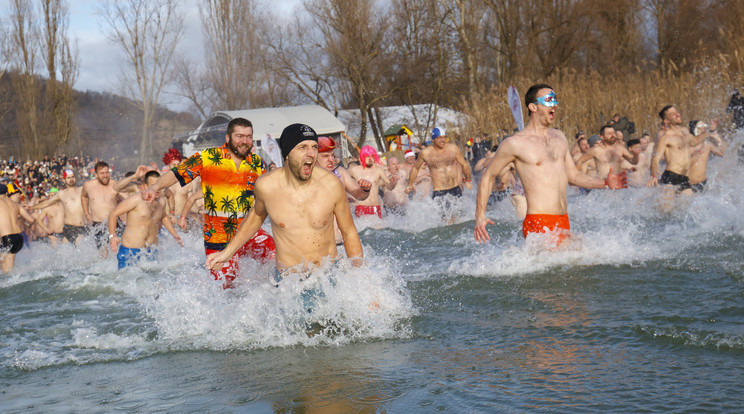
(645, 312)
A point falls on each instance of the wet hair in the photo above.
(99, 165)
(582, 139)
(242, 122)
(602, 130)
(494, 148)
(664, 110)
(531, 95)
(578, 134)
(632, 142)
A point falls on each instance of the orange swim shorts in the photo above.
(543, 223)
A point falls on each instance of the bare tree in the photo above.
(421, 70)
(23, 55)
(232, 45)
(148, 32)
(355, 42)
(466, 19)
(297, 59)
(60, 57)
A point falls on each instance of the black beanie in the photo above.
(293, 135)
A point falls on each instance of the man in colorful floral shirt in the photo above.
(228, 174)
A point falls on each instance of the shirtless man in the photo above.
(98, 198)
(422, 180)
(576, 150)
(442, 159)
(700, 153)
(359, 189)
(674, 146)
(71, 201)
(641, 172)
(171, 159)
(11, 217)
(144, 220)
(395, 199)
(53, 219)
(370, 170)
(542, 160)
(582, 146)
(608, 156)
(302, 202)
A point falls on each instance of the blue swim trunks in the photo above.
(128, 256)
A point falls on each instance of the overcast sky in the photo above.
(101, 61)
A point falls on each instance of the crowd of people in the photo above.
(313, 201)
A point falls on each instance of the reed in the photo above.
(588, 100)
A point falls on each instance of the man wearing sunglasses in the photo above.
(544, 164)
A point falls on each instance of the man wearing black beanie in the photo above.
(302, 202)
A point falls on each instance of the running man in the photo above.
(395, 199)
(98, 198)
(442, 159)
(607, 155)
(370, 170)
(71, 200)
(302, 202)
(699, 154)
(11, 229)
(144, 220)
(52, 218)
(228, 175)
(359, 189)
(674, 145)
(544, 165)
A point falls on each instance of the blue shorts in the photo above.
(128, 256)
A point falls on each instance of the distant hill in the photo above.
(107, 127)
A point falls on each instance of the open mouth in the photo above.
(307, 167)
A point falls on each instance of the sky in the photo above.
(101, 62)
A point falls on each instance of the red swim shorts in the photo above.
(543, 223)
(360, 211)
(261, 247)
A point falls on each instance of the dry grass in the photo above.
(588, 101)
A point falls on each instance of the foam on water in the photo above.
(91, 312)
(337, 303)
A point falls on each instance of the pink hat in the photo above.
(366, 152)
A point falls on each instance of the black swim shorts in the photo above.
(71, 232)
(681, 181)
(454, 191)
(11, 243)
(699, 187)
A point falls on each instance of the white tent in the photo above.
(211, 133)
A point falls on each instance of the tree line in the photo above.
(365, 54)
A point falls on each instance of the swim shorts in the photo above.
(455, 191)
(681, 181)
(128, 256)
(361, 211)
(543, 223)
(100, 231)
(71, 232)
(261, 247)
(699, 187)
(11, 243)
